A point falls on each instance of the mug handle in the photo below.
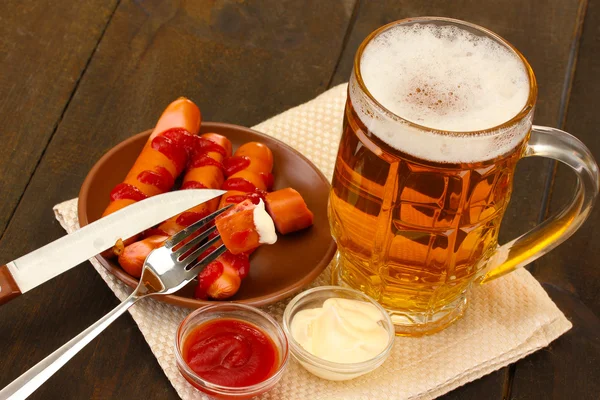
(561, 146)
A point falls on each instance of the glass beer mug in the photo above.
(438, 114)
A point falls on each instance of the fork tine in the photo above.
(195, 270)
(196, 253)
(189, 245)
(184, 233)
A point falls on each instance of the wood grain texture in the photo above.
(44, 48)
(543, 32)
(569, 367)
(574, 265)
(244, 61)
(241, 61)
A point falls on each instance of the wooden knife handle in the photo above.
(8, 287)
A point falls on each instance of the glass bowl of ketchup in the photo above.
(231, 351)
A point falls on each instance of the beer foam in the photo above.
(446, 79)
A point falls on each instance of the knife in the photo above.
(33, 269)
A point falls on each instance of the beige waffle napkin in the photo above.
(507, 319)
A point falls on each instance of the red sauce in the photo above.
(235, 164)
(213, 235)
(125, 191)
(203, 161)
(254, 197)
(239, 262)
(172, 149)
(187, 218)
(159, 177)
(207, 252)
(213, 271)
(236, 199)
(240, 184)
(267, 178)
(193, 185)
(192, 144)
(200, 145)
(178, 135)
(208, 276)
(230, 352)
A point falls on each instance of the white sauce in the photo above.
(264, 224)
(342, 331)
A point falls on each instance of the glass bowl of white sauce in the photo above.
(338, 333)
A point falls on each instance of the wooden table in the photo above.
(77, 77)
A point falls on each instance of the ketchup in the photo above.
(255, 197)
(187, 218)
(239, 184)
(207, 277)
(234, 164)
(202, 145)
(230, 352)
(159, 177)
(125, 191)
(172, 150)
(203, 161)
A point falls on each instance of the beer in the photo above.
(425, 167)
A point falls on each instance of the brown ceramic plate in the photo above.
(276, 271)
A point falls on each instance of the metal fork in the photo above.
(166, 270)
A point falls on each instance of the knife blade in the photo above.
(33, 269)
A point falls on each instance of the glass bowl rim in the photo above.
(304, 356)
(281, 345)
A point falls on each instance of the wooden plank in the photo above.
(44, 48)
(569, 368)
(242, 62)
(543, 31)
(574, 264)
